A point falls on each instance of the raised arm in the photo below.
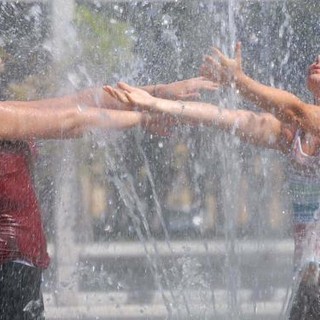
(259, 129)
(284, 105)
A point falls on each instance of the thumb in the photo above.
(238, 55)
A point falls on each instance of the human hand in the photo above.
(189, 89)
(156, 123)
(131, 96)
(219, 68)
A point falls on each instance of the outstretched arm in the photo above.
(284, 105)
(60, 118)
(189, 89)
(259, 129)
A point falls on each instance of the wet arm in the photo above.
(284, 105)
(188, 89)
(37, 119)
(259, 129)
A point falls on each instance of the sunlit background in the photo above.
(192, 226)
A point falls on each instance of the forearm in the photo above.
(25, 120)
(258, 129)
(157, 90)
(284, 105)
(196, 113)
(193, 113)
(92, 97)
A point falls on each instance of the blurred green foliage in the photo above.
(102, 51)
(106, 48)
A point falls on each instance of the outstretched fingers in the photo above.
(210, 60)
(210, 69)
(117, 94)
(124, 86)
(110, 91)
(210, 64)
(121, 96)
(216, 52)
(129, 98)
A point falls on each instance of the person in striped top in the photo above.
(288, 125)
(300, 122)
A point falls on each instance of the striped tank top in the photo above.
(303, 176)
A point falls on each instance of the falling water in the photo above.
(191, 226)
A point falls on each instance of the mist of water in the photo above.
(194, 226)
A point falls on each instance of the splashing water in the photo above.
(194, 226)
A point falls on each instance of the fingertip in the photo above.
(216, 51)
(124, 86)
(109, 90)
(209, 59)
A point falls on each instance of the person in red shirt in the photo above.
(23, 250)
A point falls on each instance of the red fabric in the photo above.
(21, 230)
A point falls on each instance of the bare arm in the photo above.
(189, 89)
(180, 90)
(284, 105)
(258, 129)
(39, 119)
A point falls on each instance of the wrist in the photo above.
(159, 90)
(156, 105)
(238, 73)
(239, 78)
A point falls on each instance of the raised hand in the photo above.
(219, 68)
(131, 96)
(189, 89)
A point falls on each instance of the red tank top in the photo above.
(21, 230)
